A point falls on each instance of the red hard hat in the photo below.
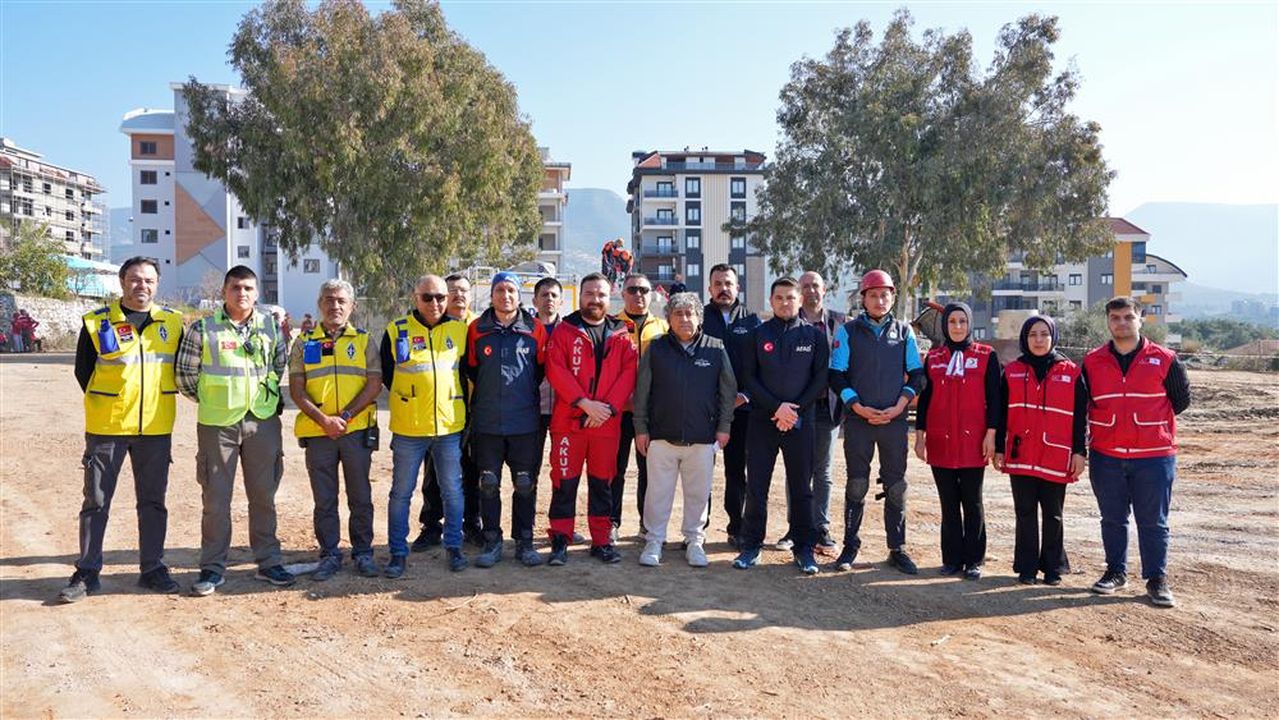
(877, 279)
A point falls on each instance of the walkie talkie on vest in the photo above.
(402, 346)
(107, 342)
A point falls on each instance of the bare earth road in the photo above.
(594, 640)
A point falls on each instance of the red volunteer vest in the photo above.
(1040, 421)
(1130, 415)
(957, 411)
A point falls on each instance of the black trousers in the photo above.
(519, 453)
(324, 456)
(861, 440)
(1033, 553)
(432, 514)
(963, 518)
(619, 480)
(796, 446)
(735, 472)
(103, 457)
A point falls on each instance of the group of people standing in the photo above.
(470, 396)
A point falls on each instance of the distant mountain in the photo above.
(119, 235)
(1219, 246)
(592, 216)
(1200, 301)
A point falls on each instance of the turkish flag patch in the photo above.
(229, 344)
(488, 350)
(768, 347)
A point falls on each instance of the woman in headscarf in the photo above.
(1040, 443)
(955, 434)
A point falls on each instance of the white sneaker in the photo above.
(614, 535)
(652, 555)
(696, 555)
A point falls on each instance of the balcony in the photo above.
(664, 221)
(1039, 286)
(650, 248)
(662, 193)
(739, 166)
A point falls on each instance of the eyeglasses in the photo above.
(639, 290)
(433, 297)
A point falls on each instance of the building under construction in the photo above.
(35, 190)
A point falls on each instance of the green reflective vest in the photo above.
(236, 374)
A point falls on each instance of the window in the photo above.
(71, 236)
(693, 213)
(667, 215)
(1107, 278)
(1076, 304)
(693, 187)
(27, 207)
(69, 194)
(1157, 289)
(70, 215)
(148, 207)
(738, 242)
(1156, 309)
(311, 266)
(241, 222)
(148, 177)
(737, 211)
(146, 147)
(740, 269)
(737, 187)
(693, 270)
(48, 188)
(693, 241)
(666, 189)
(150, 236)
(1076, 279)
(242, 251)
(1152, 269)
(665, 244)
(979, 333)
(1139, 252)
(48, 211)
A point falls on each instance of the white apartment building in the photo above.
(33, 189)
(679, 201)
(551, 202)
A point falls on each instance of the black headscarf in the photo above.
(955, 307)
(1039, 363)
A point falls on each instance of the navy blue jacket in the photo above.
(733, 334)
(785, 361)
(505, 366)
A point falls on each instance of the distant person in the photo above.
(830, 412)
(677, 286)
(1041, 442)
(308, 324)
(547, 297)
(643, 328)
(955, 424)
(1136, 390)
(124, 362)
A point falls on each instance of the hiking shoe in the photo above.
(846, 558)
(695, 554)
(786, 542)
(652, 555)
(366, 566)
(606, 553)
(206, 583)
(527, 555)
(1160, 595)
(805, 562)
(559, 551)
(826, 544)
(1029, 579)
(491, 556)
(1050, 579)
(973, 573)
(578, 538)
(948, 570)
(1110, 582)
(395, 567)
(747, 559)
(900, 560)
(426, 540)
(81, 584)
(457, 561)
(329, 566)
(276, 575)
(158, 580)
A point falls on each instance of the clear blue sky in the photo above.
(1185, 93)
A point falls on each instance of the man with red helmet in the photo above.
(870, 356)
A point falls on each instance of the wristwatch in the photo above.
(346, 416)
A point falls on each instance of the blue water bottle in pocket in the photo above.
(402, 346)
(311, 352)
(107, 342)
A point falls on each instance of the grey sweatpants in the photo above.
(256, 446)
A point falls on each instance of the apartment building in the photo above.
(679, 202)
(31, 188)
(1128, 269)
(551, 203)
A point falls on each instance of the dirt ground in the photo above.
(627, 641)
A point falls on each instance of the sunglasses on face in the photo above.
(638, 290)
(433, 297)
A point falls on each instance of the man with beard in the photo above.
(643, 328)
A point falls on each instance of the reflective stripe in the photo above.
(251, 371)
(1109, 396)
(134, 358)
(1131, 395)
(1148, 424)
(321, 371)
(1028, 406)
(1102, 424)
(1138, 450)
(1053, 444)
(1037, 468)
(416, 368)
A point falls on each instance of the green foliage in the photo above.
(1086, 329)
(34, 263)
(1222, 333)
(388, 139)
(905, 156)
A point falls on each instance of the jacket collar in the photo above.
(611, 324)
(524, 321)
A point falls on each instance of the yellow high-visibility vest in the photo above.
(132, 390)
(426, 391)
(335, 375)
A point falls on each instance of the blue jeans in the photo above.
(1143, 485)
(826, 434)
(407, 455)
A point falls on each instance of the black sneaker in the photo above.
(1160, 595)
(826, 544)
(606, 553)
(527, 555)
(846, 559)
(948, 570)
(329, 567)
(805, 562)
(395, 567)
(457, 561)
(1052, 579)
(1030, 579)
(900, 560)
(276, 575)
(81, 584)
(1110, 582)
(426, 540)
(366, 566)
(206, 583)
(158, 580)
(973, 573)
(559, 551)
(491, 556)
(785, 542)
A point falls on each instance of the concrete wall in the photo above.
(59, 319)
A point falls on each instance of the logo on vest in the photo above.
(702, 362)
(892, 333)
(125, 332)
(1152, 361)
(229, 344)
(448, 343)
(970, 363)
(419, 342)
(739, 330)
(164, 333)
(768, 347)
(488, 350)
(1063, 378)
(834, 344)
(350, 351)
(803, 348)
